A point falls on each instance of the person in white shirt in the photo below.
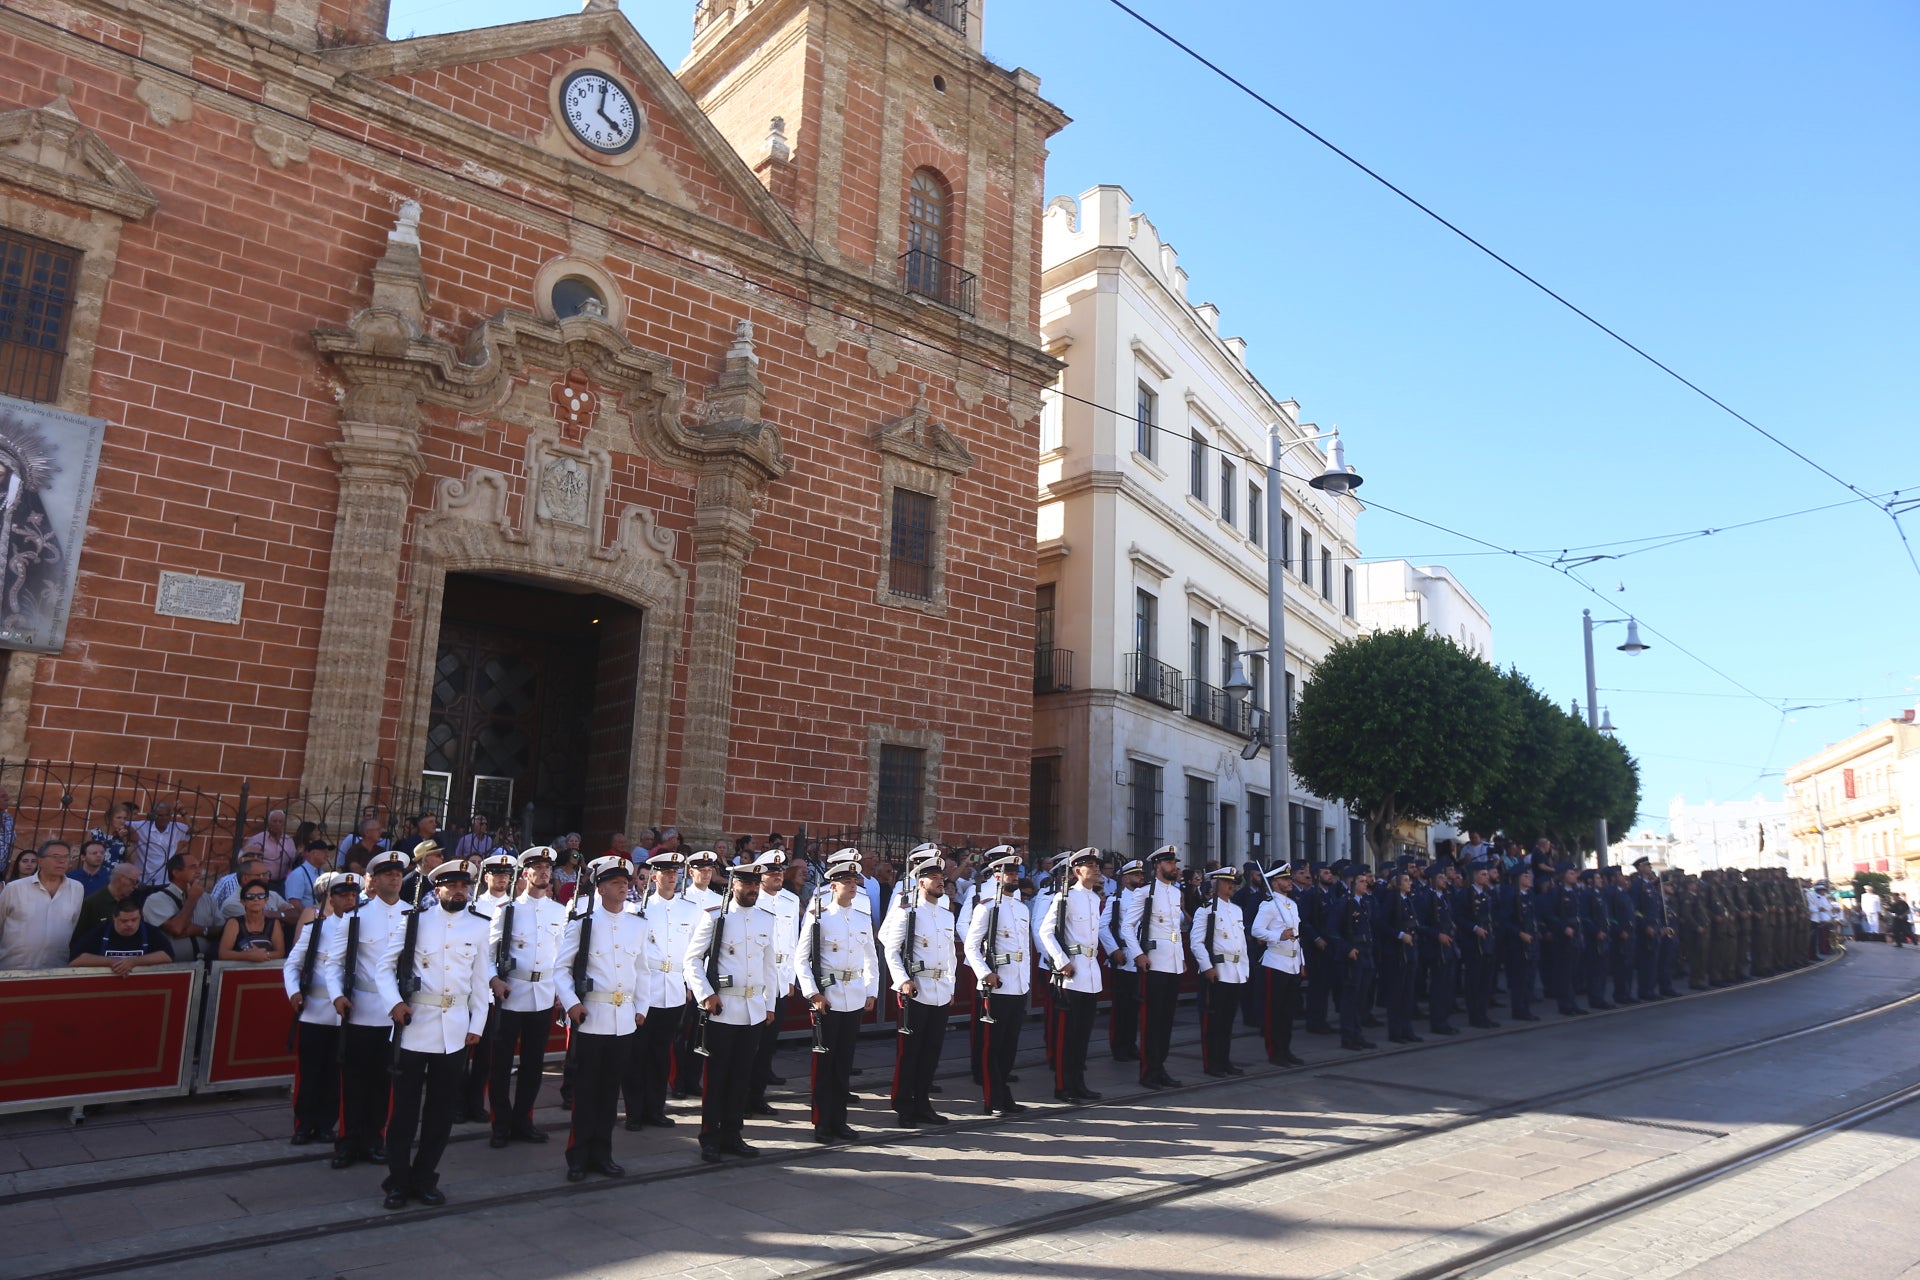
(1123, 980)
(1222, 957)
(497, 874)
(1150, 931)
(671, 918)
(688, 1068)
(316, 1029)
(999, 940)
(1870, 910)
(439, 972)
(352, 970)
(523, 947)
(839, 975)
(923, 971)
(275, 847)
(156, 838)
(38, 914)
(783, 902)
(1070, 933)
(731, 972)
(1276, 925)
(1048, 879)
(601, 976)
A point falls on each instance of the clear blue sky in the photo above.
(1736, 187)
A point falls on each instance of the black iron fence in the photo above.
(943, 281)
(1052, 670)
(1154, 680)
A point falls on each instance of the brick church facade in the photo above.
(633, 446)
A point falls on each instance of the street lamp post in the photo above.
(1632, 646)
(1338, 478)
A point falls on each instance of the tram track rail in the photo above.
(1253, 1170)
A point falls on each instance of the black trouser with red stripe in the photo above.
(1000, 1042)
(425, 1093)
(763, 1051)
(917, 1057)
(1123, 1028)
(1283, 996)
(480, 1066)
(649, 1061)
(731, 1049)
(1073, 1015)
(365, 1088)
(316, 1087)
(597, 1065)
(521, 1038)
(1216, 1024)
(1159, 993)
(833, 1070)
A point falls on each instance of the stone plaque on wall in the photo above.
(565, 483)
(188, 595)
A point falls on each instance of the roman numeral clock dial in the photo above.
(600, 112)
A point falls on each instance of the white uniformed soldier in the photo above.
(600, 976)
(839, 974)
(688, 1066)
(439, 974)
(497, 871)
(923, 975)
(999, 939)
(784, 903)
(1276, 925)
(1123, 980)
(671, 919)
(351, 969)
(1221, 955)
(1070, 932)
(316, 1029)
(1151, 933)
(523, 948)
(730, 970)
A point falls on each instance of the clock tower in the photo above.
(902, 152)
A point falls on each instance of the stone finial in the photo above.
(406, 227)
(777, 148)
(593, 308)
(62, 90)
(742, 348)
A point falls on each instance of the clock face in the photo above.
(600, 112)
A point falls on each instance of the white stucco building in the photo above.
(1396, 595)
(1855, 805)
(1153, 563)
(1736, 833)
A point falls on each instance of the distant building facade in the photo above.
(1855, 806)
(1396, 595)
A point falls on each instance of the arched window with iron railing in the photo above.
(929, 231)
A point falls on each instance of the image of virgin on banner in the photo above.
(47, 464)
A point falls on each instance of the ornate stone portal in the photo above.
(390, 369)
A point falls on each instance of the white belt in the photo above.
(932, 975)
(527, 975)
(839, 975)
(361, 983)
(614, 998)
(435, 1000)
(1231, 957)
(664, 966)
(742, 993)
(779, 957)
(315, 993)
(1077, 949)
(1003, 958)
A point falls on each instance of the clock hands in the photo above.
(602, 109)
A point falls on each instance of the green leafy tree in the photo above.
(1601, 780)
(1519, 801)
(1401, 724)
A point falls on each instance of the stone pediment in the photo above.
(918, 437)
(47, 149)
(679, 157)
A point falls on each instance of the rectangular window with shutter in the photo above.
(910, 564)
(1229, 486)
(1199, 821)
(1326, 574)
(36, 307)
(1346, 581)
(1197, 467)
(903, 773)
(1256, 516)
(1286, 541)
(1143, 808)
(1146, 418)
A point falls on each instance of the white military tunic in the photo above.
(670, 926)
(373, 994)
(450, 962)
(1229, 941)
(849, 964)
(1008, 954)
(935, 958)
(746, 968)
(1162, 901)
(488, 905)
(533, 953)
(785, 905)
(317, 1008)
(1084, 937)
(1112, 927)
(1278, 915)
(616, 986)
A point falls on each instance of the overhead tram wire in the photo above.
(1860, 494)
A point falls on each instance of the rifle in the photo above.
(993, 961)
(407, 982)
(348, 972)
(906, 949)
(819, 984)
(581, 982)
(307, 963)
(1060, 935)
(713, 971)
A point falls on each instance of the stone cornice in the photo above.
(46, 149)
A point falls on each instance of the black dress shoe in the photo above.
(1084, 1094)
(739, 1148)
(1412, 1039)
(761, 1109)
(342, 1159)
(933, 1088)
(1010, 1110)
(394, 1200)
(823, 1136)
(1152, 1082)
(1296, 1062)
(635, 1125)
(851, 1097)
(498, 1140)
(1603, 1007)
(530, 1134)
(377, 1153)
(1235, 1071)
(1215, 1073)
(905, 1122)
(1168, 1082)
(1012, 1078)
(302, 1136)
(1526, 1017)
(1353, 1044)
(709, 1154)
(1443, 1031)
(857, 1071)
(776, 1079)
(660, 1120)
(1061, 1095)
(846, 1132)
(433, 1199)
(577, 1174)
(927, 1115)
(610, 1169)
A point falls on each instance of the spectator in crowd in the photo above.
(1900, 921)
(182, 909)
(24, 866)
(253, 935)
(477, 843)
(426, 828)
(414, 888)
(276, 848)
(368, 839)
(124, 942)
(155, 839)
(743, 850)
(618, 845)
(37, 916)
(97, 908)
(116, 830)
(566, 869)
(227, 887)
(300, 881)
(94, 867)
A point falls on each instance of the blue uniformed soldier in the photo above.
(1350, 934)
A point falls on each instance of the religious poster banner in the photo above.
(47, 464)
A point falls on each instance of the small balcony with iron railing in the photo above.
(1052, 669)
(940, 280)
(948, 13)
(1219, 708)
(1154, 680)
